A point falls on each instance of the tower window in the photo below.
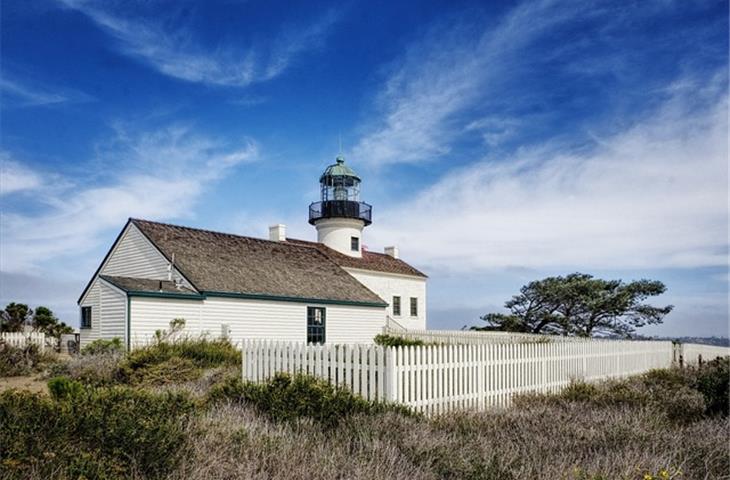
(85, 317)
(315, 325)
(355, 244)
(414, 307)
(396, 306)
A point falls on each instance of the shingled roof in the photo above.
(130, 284)
(217, 262)
(378, 262)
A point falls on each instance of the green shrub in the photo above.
(64, 388)
(396, 341)
(579, 392)
(102, 346)
(712, 380)
(86, 432)
(290, 397)
(203, 353)
(173, 370)
(17, 361)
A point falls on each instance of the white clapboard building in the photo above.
(329, 291)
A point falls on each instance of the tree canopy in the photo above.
(17, 315)
(580, 305)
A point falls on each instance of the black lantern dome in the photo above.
(340, 195)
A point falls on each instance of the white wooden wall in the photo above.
(135, 256)
(113, 318)
(442, 378)
(386, 285)
(252, 319)
(92, 299)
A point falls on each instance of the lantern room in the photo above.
(339, 182)
(340, 195)
(340, 216)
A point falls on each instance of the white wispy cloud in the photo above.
(158, 175)
(444, 74)
(497, 78)
(171, 48)
(23, 93)
(654, 195)
(14, 177)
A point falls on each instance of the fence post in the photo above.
(390, 372)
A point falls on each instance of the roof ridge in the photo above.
(215, 232)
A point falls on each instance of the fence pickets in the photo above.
(21, 339)
(436, 379)
(360, 368)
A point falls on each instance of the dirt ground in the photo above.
(30, 383)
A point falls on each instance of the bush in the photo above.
(712, 380)
(287, 398)
(667, 392)
(86, 432)
(101, 369)
(203, 353)
(102, 346)
(396, 341)
(17, 361)
(174, 370)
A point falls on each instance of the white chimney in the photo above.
(392, 251)
(277, 233)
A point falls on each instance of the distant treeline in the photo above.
(716, 341)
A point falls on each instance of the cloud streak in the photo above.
(651, 196)
(17, 93)
(14, 177)
(504, 79)
(156, 175)
(172, 50)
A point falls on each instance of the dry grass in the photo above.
(571, 441)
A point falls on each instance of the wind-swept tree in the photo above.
(45, 321)
(580, 305)
(14, 317)
(17, 315)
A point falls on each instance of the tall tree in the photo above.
(45, 321)
(580, 305)
(14, 317)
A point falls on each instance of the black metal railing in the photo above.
(340, 209)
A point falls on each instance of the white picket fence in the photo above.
(692, 352)
(21, 339)
(436, 379)
(361, 368)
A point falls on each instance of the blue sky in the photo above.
(498, 142)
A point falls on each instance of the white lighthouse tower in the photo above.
(340, 216)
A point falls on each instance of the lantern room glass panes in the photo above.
(315, 325)
(340, 188)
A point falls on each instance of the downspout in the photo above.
(129, 328)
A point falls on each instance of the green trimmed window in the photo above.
(414, 307)
(316, 320)
(396, 306)
(85, 317)
(354, 244)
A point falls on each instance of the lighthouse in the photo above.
(340, 216)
